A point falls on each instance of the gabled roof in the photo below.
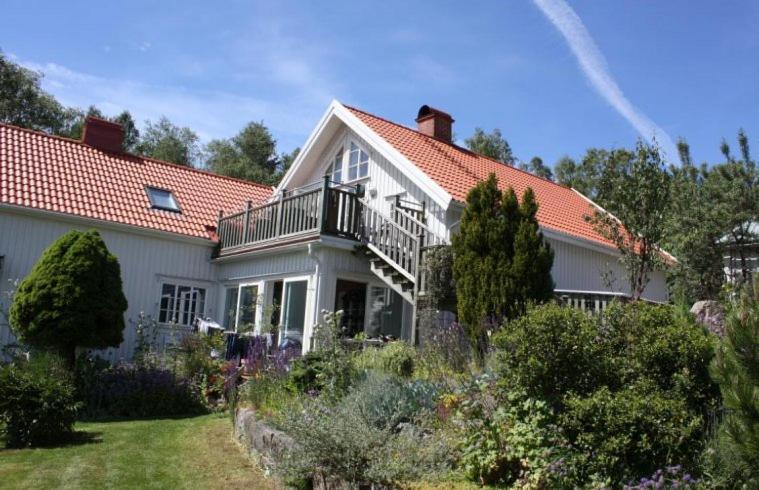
(61, 175)
(457, 170)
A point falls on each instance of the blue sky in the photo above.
(555, 79)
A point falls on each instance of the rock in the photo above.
(711, 314)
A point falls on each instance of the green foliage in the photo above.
(397, 358)
(630, 388)
(501, 261)
(537, 167)
(632, 431)
(440, 288)
(491, 145)
(37, 403)
(23, 102)
(635, 194)
(508, 441)
(334, 372)
(585, 175)
(72, 297)
(251, 155)
(552, 351)
(368, 435)
(166, 141)
(307, 373)
(736, 369)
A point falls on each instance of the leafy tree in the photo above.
(585, 176)
(694, 229)
(537, 167)
(131, 133)
(635, 193)
(733, 189)
(23, 102)
(72, 297)
(736, 369)
(492, 145)
(163, 140)
(501, 261)
(251, 155)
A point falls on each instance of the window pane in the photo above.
(247, 315)
(363, 168)
(163, 199)
(337, 166)
(386, 313)
(230, 308)
(353, 161)
(294, 310)
(166, 310)
(352, 173)
(184, 300)
(350, 297)
(200, 303)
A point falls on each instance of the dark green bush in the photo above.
(552, 351)
(37, 402)
(632, 431)
(629, 388)
(307, 372)
(72, 297)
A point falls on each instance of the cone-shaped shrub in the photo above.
(72, 298)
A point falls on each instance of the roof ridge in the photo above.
(133, 155)
(457, 147)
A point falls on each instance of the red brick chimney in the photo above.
(102, 134)
(435, 123)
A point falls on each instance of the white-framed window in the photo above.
(162, 199)
(336, 167)
(181, 304)
(358, 163)
(292, 317)
(240, 306)
(348, 166)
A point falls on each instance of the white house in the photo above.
(193, 244)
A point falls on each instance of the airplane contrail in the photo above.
(595, 68)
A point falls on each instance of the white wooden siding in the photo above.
(145, 262)
(577, 268)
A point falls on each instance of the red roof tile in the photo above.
(62, 175)
(457, 170)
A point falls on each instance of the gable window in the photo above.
(336, 167)
(162, 199)
(181, 304)
(358, 163)
(350, 165)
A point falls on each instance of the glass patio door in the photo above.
(293, 311)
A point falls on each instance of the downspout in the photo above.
(317, 293)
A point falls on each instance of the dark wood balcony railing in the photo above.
(300, 212)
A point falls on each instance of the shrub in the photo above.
(397, 358)
(506, 441)
(552, 351)
(629, 388)
(439, 286)
(736, 369)
(72, 297)
(445, 350)
(307, 373)
(631, 432)
(37, 403)
(131, 391)
(368, 436)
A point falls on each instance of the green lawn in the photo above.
(194, 452)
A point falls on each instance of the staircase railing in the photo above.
(417, 227)
(394, 244)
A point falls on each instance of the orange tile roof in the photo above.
(63, 175)
(457, 170)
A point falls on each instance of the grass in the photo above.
(193, 452)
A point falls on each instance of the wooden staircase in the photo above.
(395, 249)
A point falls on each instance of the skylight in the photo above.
(162, 199)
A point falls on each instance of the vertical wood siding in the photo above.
(145, 262)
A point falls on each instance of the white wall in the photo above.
(145, 262)
(578, 268)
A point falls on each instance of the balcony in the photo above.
(324, 208)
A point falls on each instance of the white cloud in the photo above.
(212, 114)
(144, 46)
(594, 65)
